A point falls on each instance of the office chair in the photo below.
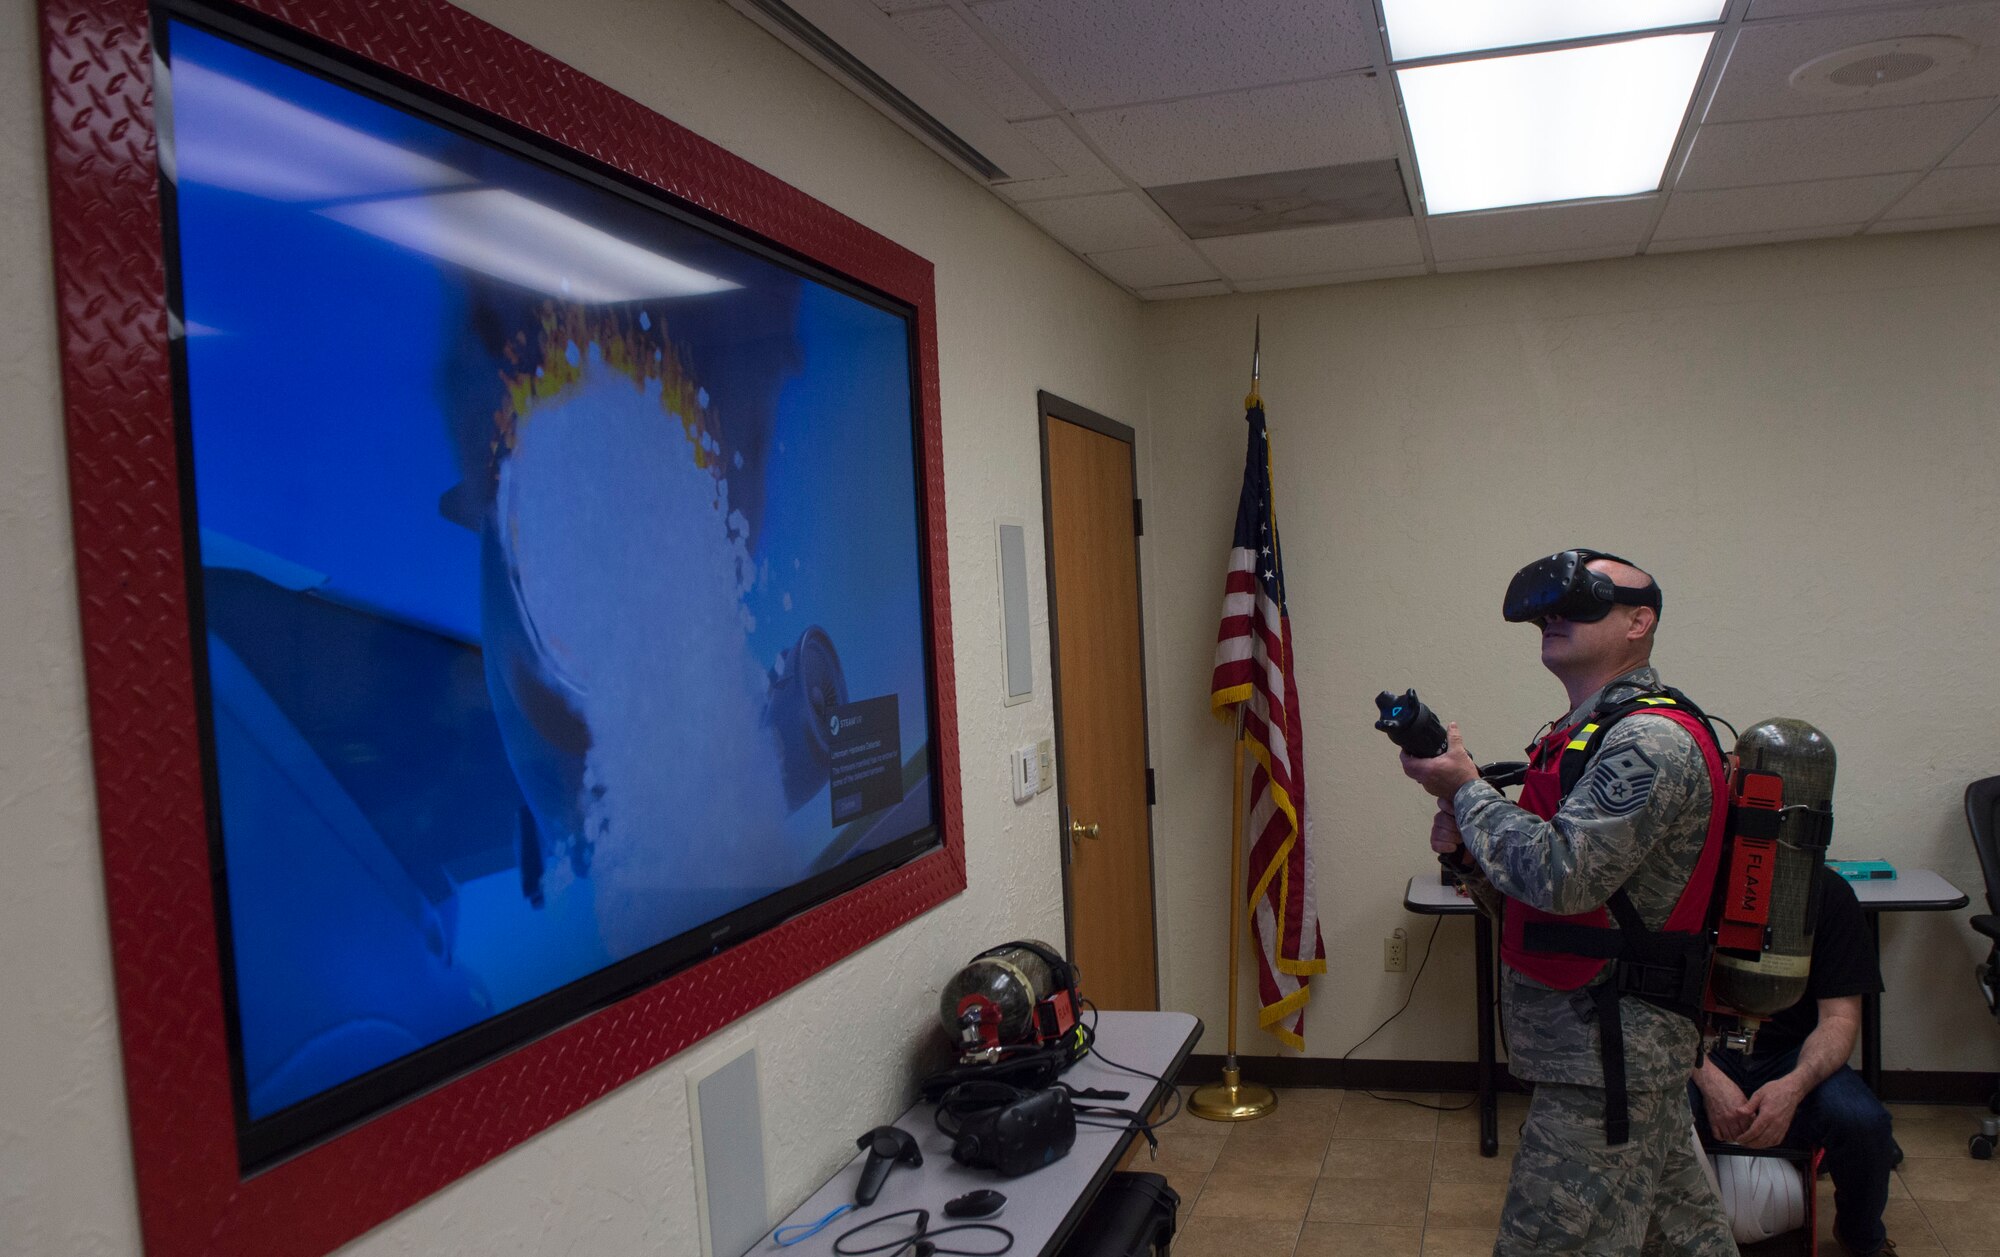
(1982, 817)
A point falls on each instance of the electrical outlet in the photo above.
(1394, 955)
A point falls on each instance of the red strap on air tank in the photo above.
(1746, 897)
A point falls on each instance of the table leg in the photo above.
(1871, 1015)
(1489, 1117)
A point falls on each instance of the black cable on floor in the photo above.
(1421, 966)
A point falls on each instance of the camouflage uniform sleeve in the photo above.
(1481, 891)
(1641, 779)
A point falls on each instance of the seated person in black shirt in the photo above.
(1795, 1087)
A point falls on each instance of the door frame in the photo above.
(1048, 405)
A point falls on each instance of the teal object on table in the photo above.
(1863, 870)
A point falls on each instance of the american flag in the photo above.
(1254, 679)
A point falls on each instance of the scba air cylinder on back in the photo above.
(1780, 821)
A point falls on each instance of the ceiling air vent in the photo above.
(1886, 66)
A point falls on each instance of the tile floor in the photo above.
(1334, 1173)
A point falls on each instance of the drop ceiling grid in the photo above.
(1101, 224)
(1699, 103)
(1146, 93)
(1327, 122)
(1982, 147)
(1757, 85)
(952, 42)
(1101, 53)
(1779, 207)
(1828, 146)
(1964, 137)
(1543, 229)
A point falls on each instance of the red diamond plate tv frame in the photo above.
(118, 398)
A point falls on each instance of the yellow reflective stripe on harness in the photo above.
(1658, 702)
(1584, 740)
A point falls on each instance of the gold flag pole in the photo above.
(1233, 1100)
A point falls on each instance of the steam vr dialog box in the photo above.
(865, 745)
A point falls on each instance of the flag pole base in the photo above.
(1232, 1099)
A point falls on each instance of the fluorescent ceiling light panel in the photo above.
(506, 235)
(1550, 126)
(1438, 28)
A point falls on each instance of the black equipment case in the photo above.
(1132, 1217)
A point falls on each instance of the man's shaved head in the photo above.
(1628, 577)
(1621, 573)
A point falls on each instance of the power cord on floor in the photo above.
(1412, 994)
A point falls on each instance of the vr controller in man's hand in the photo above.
(1416, 729)
(1411, 725)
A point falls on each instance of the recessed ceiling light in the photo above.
(1437, 28)
(1550, 126)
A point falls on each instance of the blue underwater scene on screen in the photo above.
(560, 566)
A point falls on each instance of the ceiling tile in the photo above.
(1553, 258)
(1952, 191)
(1082, 172)
(1342, 247)
(1154, 266)
(1755, 86)
(1779, 207)
(1293, 198)
(1329, 277)
(1754, 237)
(956, 47)
(1981, 147)
(1296, 127)
(1094, 53)
(1989, 218)
(1826, 146)
(1542, 229)
(1100, 224)
(1169, 292)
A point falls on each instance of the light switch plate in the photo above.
(1045, 759)
(1026, 770)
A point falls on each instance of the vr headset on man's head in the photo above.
(1561, 586)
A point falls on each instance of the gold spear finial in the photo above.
(1256, 354)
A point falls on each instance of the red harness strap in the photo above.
(1542, 795)
(1668, 966)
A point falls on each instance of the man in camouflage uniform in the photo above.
(1636, 819)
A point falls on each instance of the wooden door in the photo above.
(1093, 523)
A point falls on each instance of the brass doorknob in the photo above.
(1077, 829)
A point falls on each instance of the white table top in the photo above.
(1425, 895)
(1038, 1203)
(1911, 890)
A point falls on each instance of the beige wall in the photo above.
(1015, 313)
(1800, 441)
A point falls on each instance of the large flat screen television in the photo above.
(557, 575)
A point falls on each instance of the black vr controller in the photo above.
(887, 1148)
(1415, 727)
(1411, 725)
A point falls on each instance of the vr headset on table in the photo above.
(1562, 587)
(994, 1126)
